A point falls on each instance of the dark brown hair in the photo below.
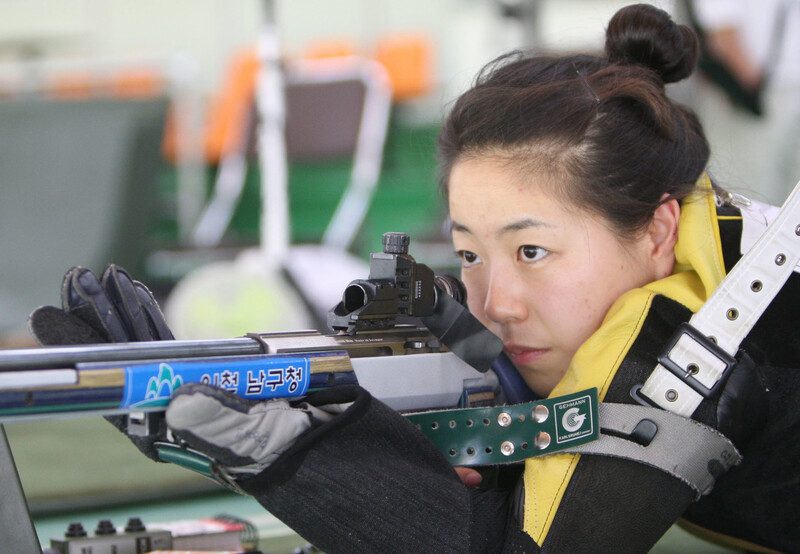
(603, 126)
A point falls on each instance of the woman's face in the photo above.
(539, 273)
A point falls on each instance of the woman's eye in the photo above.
(531, 253)
(468, 258)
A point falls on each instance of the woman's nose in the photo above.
(503, 302)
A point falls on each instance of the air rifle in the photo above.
(431, 360)
(404, 334)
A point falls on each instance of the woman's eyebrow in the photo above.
(456, 226)
(522, 224)
(519, 225)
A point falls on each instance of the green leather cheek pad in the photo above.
(504, 434)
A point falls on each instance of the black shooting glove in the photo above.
(114, 308)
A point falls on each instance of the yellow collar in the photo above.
(698, 252)
(698, 271)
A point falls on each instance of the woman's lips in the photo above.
(524, 356)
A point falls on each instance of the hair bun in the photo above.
(643, 34)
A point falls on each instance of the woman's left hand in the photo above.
(469, 476)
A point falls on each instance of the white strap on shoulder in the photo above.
(701, 353)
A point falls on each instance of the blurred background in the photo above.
(244, 158)
(130, 135)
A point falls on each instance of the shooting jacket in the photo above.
(370, 482)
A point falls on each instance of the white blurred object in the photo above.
(322, 273)
(232, 298)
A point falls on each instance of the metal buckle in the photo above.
(688, 377)
(636, 394)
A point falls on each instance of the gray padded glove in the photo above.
(242, 437)
(114, 308)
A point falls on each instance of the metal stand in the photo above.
(17, 533)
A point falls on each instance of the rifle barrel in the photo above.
(68, 356)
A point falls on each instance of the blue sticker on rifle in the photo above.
(150, 385)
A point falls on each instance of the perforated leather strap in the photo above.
(497, 435)
(686, 449)
(692, 367)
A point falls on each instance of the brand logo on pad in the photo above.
(573, 419)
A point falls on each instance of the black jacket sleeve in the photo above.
(369, 481)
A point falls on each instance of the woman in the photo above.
(587, 233)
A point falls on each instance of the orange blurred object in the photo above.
(228, 113)
(73, 85)
(329, 49)
(408, 60)
(136, 83)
